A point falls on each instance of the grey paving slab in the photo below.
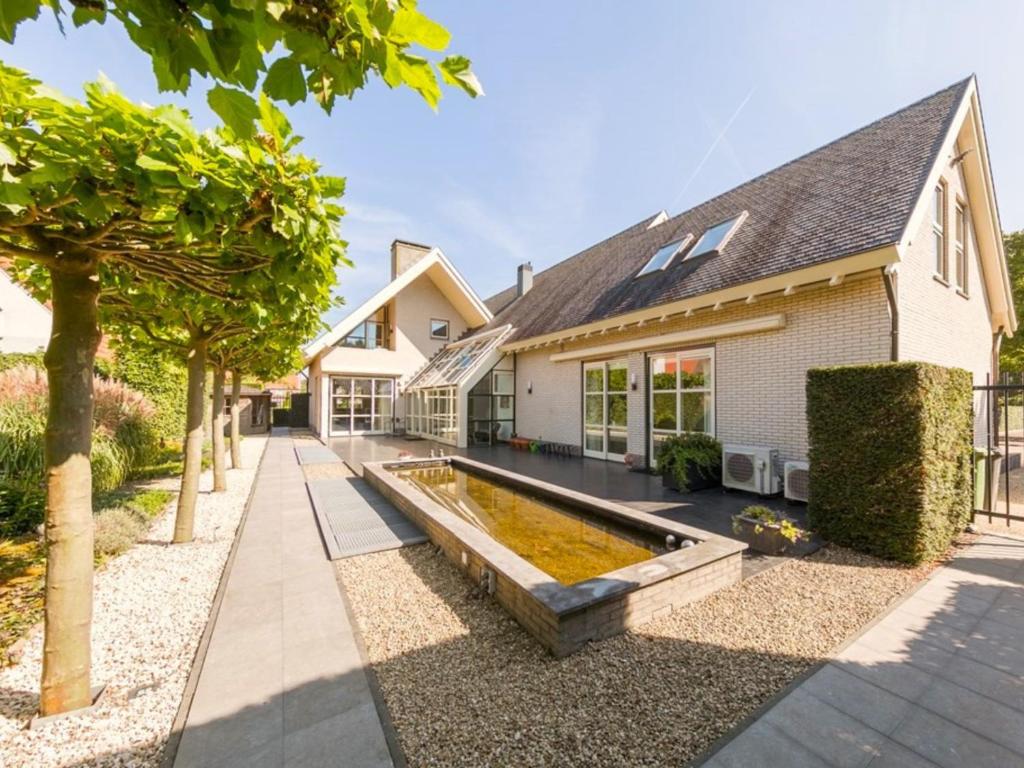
(316, 454)
(938, 681)
(356, 520)
(282, 682)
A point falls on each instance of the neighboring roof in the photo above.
(851, 196)
(444, 275)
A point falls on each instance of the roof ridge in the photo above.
(942, 91)
(578, 253)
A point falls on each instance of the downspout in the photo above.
(889, 278)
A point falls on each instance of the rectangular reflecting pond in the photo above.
(571, 568)
(558, 539)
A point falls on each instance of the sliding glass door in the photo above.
(605, 418)
(361, 406)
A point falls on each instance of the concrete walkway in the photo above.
(937, 682)
(282, 682)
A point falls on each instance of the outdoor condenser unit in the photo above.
(750, 468)
(797, 478)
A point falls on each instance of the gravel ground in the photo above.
(327, 470)
(151, 606)
(466, 686)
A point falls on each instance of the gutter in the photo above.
(889, 279)
(997, 343)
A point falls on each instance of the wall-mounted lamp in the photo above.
(632, 381)
(529, 387)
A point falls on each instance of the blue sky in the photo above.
(598, 114)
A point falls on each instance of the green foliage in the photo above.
(701, 451)
(1011, 353)
(196, 235)
(325, 49)
(890, 457)
(10, 360)
(161, 379)
(769, 518)
(122, 440)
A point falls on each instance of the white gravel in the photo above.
(151, 606)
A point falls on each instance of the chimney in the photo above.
(404, 255)
(524, 279)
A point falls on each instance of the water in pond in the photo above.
(561, 542)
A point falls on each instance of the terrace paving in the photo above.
(283, 681)
(710, 510)
(935, 682)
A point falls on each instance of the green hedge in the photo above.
(890, 455)
(161, 380)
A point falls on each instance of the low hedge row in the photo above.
(890, 455)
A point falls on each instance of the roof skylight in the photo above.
(715, 238)
(664, 256)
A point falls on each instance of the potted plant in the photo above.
(766, 530)
(690, 462)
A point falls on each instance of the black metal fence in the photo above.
(999, 475)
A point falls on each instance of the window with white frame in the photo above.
(939, 231)
(960, 230)
(682, 394)
(439, 329)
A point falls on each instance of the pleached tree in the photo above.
(263, 356)
(104, 197)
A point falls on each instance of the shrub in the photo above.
(116, 530)
(890, 457)
(123, 439)
(22, 506)
(695, 448)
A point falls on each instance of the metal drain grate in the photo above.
(355, 520)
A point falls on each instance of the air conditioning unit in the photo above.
(797, 479)
(749, 468)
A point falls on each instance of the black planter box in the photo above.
(769, 540)
(696, 480)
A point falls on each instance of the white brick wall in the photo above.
(552, 411)
(760, 378)
(937, 323)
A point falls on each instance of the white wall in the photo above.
(24, 322)
(938, 323)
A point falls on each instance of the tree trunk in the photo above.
(193, 464)
(236, 428)
(220, 480)
(74, 337)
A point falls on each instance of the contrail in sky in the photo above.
(711, 149)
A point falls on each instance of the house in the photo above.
(884, 245)
(359, 368)
(24, 322)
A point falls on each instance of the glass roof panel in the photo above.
(664, 256)
(714, 238)
(456, 362)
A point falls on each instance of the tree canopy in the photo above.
(137, 193)
(1011, 355)
(324, 49)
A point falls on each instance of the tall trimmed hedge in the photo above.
(890, 454)
(161, 380)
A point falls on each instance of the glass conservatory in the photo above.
(467, 381)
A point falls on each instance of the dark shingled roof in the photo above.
(852, 195)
